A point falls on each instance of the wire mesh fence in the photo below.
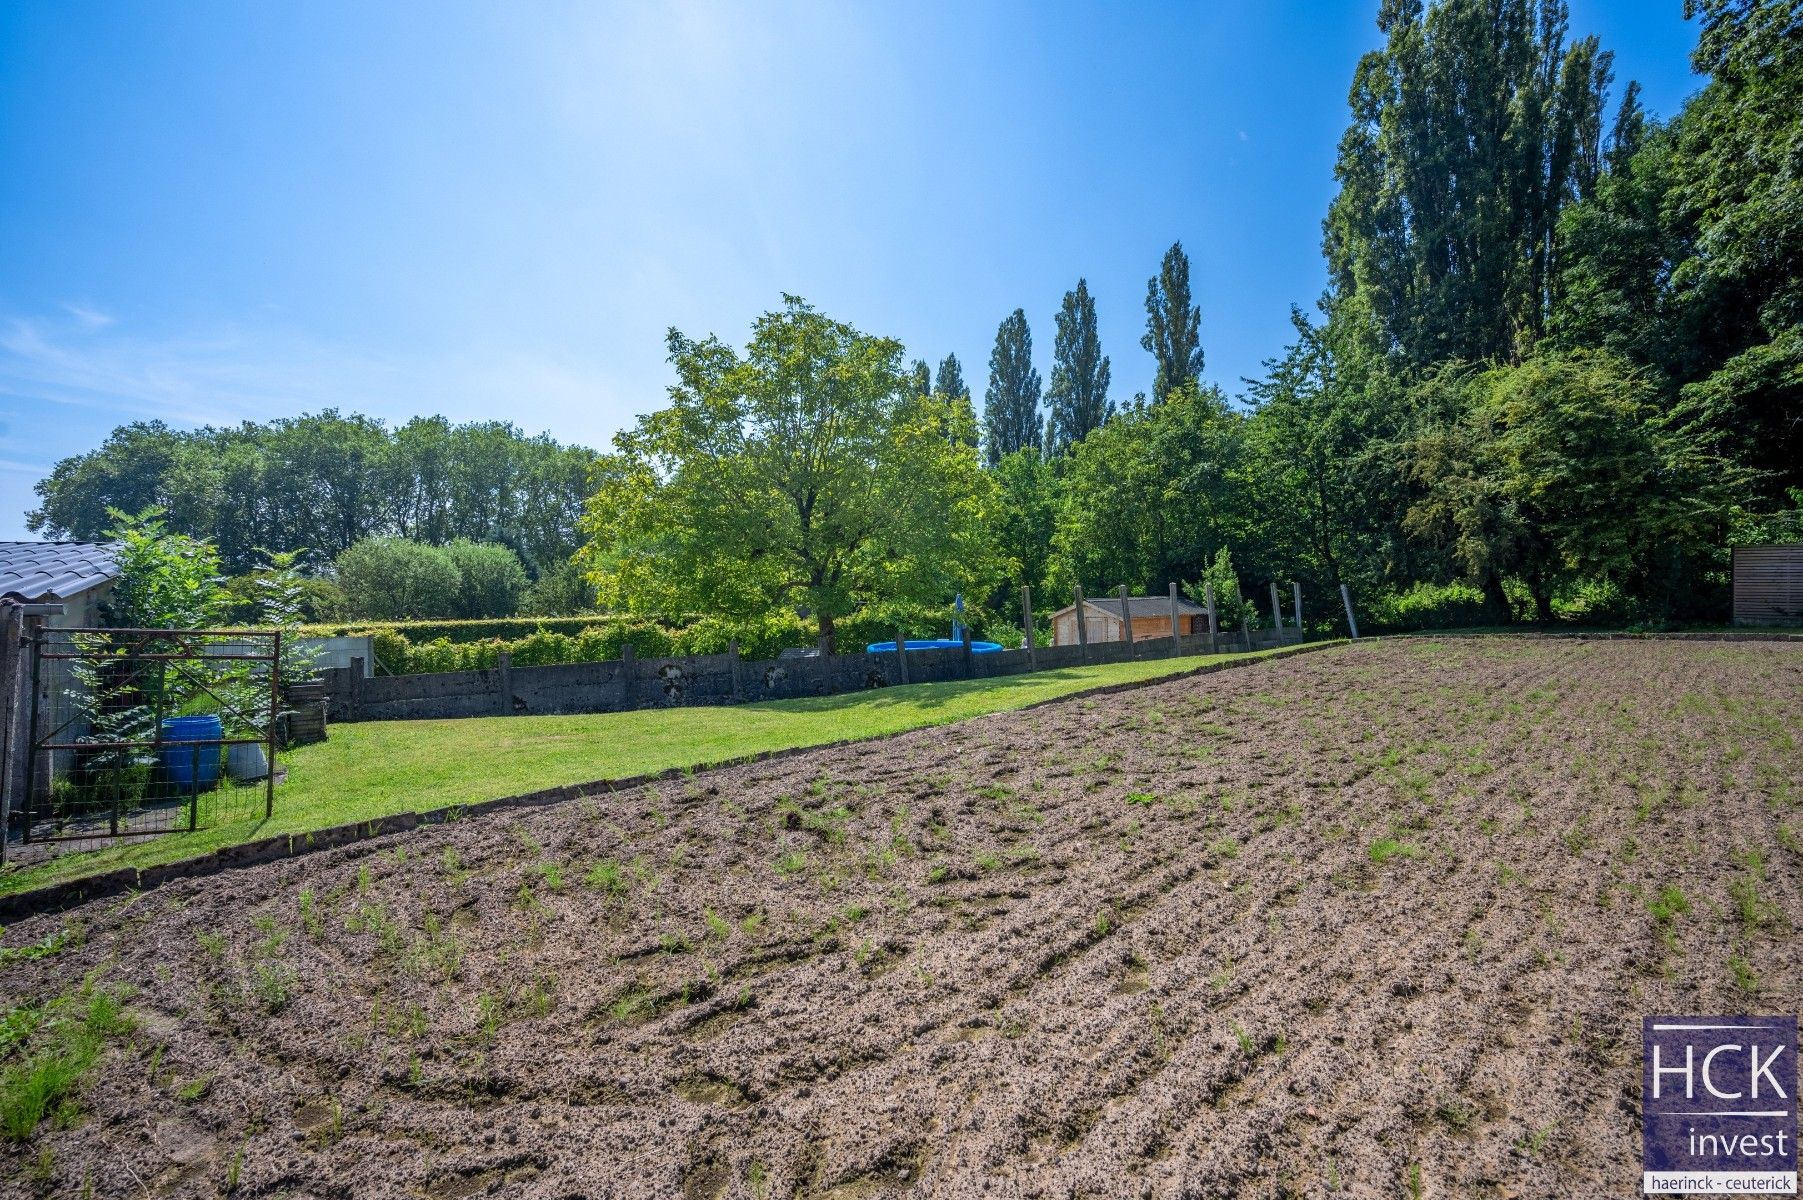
(146, 731)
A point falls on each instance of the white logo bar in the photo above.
(1734, 1183)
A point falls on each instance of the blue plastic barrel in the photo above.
(180, 764)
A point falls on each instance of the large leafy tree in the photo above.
(1560, 469)
(1315, 441)
(1739, 189)
(1022, 520)
(1173, 325)
(805, 472)
(1151, 495)
(1011, 403)
(1078, 397)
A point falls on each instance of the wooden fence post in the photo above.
(504, 669)
(1276, 613)
(1026, 624)
(629, 677)
(1296, 592)
(1082, 628)
(1214, 633)
(1126, 621)
(1351, 621)
(901, 653)
(1176, 633)
(732, 664)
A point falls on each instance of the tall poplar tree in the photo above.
(1078, 396)
(1173, 325)
(1011, 403)
(949, 386)
(1472, 129)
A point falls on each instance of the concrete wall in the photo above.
(339, 651)
(619, 686)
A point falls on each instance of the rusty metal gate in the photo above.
(147, 731)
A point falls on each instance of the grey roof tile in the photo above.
(44, 570)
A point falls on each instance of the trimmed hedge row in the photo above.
(401, 651)
(457, 630)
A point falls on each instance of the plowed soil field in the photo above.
(1379, 921)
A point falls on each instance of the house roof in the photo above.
(40, 571)
(1139, 606)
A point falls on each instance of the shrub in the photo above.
(391, 578)
(490, 579)
(1429, 606)
(559, 591)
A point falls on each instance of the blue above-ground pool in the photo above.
(933, 644)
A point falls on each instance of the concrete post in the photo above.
(1082, 627)
(732, 664)
(629, 677)
(1246, 632)
(1176, 634)
(1296, 593)
(1351, 621)
(504, 668)
(357, 669)
(1126, 621)
(1026, 624)
(1214, 632)
(1276, 613)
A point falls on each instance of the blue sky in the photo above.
(224, 211)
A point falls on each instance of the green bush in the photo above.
(1429, 606)
(491, 578)
(393, 578)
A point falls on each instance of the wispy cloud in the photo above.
(87, 315)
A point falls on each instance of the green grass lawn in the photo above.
(377, 768)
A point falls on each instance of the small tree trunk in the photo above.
(1497, 600)
(826, 633)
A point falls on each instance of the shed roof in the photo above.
(1139, 606)
(38, 571)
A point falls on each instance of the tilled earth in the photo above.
(1377, 921)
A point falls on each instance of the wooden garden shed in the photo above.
(1768, 584)
(1150, 617)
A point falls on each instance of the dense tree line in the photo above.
(323, 482)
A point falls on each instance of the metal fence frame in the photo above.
(163, 646)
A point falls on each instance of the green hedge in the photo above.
(403, 648)
(460, 631)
